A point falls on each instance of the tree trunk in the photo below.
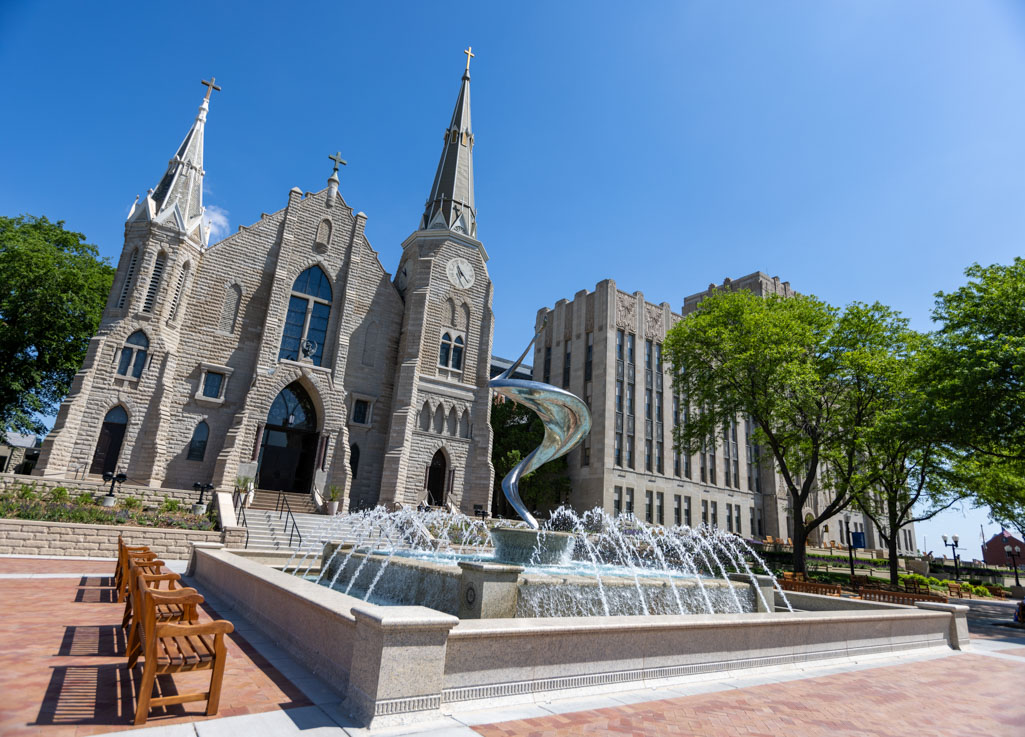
(891, 546)
(891, 542)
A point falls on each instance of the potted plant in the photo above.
(334, 496)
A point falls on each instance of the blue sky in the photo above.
(861, 150)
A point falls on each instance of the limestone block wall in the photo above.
(29, 537)
(150, 496)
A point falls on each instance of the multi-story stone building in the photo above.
(606, 347)
(287, 352)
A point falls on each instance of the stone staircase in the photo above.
(298, 503)
(270, 532)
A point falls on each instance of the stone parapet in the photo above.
(31, 537)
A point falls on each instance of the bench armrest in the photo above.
(176, 596)
(156, 578)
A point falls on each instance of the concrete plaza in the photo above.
(60, 674)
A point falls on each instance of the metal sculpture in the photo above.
(564, 415)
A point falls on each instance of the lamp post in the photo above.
(1014, 555)
(953, 547)
(113, 478)
(850, 548)
(200, 507)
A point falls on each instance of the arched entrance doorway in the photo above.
(436, 476)
(108, 447)
(288, 452)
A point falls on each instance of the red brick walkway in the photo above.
(60, 668)
(955, 696)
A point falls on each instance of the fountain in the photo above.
(409, 611)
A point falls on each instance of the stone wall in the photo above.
(148, 495)
(29, 537)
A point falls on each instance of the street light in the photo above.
(1014, 555)
(202, 489)
(850, 547)
(953, 547)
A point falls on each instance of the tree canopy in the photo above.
(811, 378)
(53, 288)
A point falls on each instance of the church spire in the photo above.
(179, 196)
(450, 204)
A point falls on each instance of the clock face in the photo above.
(460, 273)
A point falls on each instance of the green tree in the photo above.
(517, 431)
(975, 379)
(53, 288)
(914, 476)
(807, 375)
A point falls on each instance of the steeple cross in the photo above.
(469, 55)
(210, 86)
(337, 158)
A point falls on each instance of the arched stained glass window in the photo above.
(445, 354)
(197, 446)
(133, 355)
(309, 308)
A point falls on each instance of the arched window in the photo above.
(154, 282)
(464, 424)
(445, 355)
(133, 355)
(425, 417)
(183, 274)
(309, 308)
(457, 354)
(453, 422)
(324, 233)
(197, 446)
(129, 274)
(451, 353)
(354, 460)
(229, 310)
(439, 419)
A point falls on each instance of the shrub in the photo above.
(85, 499)
(130, 502)
(170, 505)
(26, 492)
(933, 581)
(59, 495)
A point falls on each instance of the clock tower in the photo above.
(439, 440)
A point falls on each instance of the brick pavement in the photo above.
(61, 673)
(954, 696)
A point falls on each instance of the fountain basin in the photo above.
(521, 547)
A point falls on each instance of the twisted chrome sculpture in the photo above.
(564, 415)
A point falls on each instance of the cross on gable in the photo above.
(210, 86)
(469, 55)
(337, 158)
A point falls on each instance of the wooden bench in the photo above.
(916, 587)
(176, 647)
(811, 587)
(957, 591)
(899, 597)
(124, 554)
(164, 612)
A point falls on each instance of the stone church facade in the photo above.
(287, 353)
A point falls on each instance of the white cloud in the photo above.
(216, 220)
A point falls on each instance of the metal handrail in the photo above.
(282, 507)
(238, 501)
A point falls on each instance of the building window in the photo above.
(548, 364)
(629, 500)
(647, 506)
(126, 287)
(630, 348)
(726, 456)
(686, 466)
(736, 519)
(647, 456)
(660, 503)
(658, 358)
(309, 308)
(731, 440)
(183, 274)
(619, 396)
(753, 481)
(711, 464)
(658, 407)
(677, 511)
(197, 446)
(629, 399)
(585, 451)
(619, 449)
(647, 404)
(154, 282)
(729, 517)
(212, 384)
(565, 367)
(617, 501)
(704, 511)
(751, 521)
(450, 355)
(703, 457)
(589, 357)
(686, 511)
(676, 462)
(619, 345)
(630, 451)
(658, 457)
(361, 412)
(648, 355)
(715, 514)
(133, 355)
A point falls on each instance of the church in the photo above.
(287, 353)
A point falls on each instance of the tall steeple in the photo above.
(450, 204)
(179, 195)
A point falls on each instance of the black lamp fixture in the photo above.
(953, 547)
(202, 489)
(1014, 554)
(113, 478)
